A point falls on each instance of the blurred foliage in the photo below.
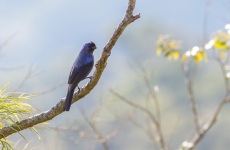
(6, 144)
(12, 109)
(171, 49)
(197, 54)
(221, 41)
(217, 48)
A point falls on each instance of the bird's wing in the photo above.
(79, 73)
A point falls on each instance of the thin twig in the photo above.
(153, 95)
(51, 89)
(142, 128)
(226, 80)
(99, 136)
(194, 106)
(7, 40)
(203, 130)
(32, 72)
(197, 138)
(149, 113)
(10, 68)
(151, 116)
(100, 66)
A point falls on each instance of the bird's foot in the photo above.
(78, 88)
(89, 77)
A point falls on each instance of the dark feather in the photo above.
(78, 74)
(68, 99)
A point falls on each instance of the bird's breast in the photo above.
(83, 60)
(88, 59)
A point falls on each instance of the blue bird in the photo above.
(80, 70)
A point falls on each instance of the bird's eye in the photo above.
(92, 45)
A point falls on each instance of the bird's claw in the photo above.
(90, 77)
(78, 88)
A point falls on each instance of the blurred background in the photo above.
(40, 40)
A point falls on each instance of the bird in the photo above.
(80, 70)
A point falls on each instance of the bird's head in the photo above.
(89, 47)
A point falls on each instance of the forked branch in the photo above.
(100, 66)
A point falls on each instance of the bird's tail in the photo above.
(68, 100)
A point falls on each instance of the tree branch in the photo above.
(189, 84)
(206, 127)
(151, 116)
(100, 66)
